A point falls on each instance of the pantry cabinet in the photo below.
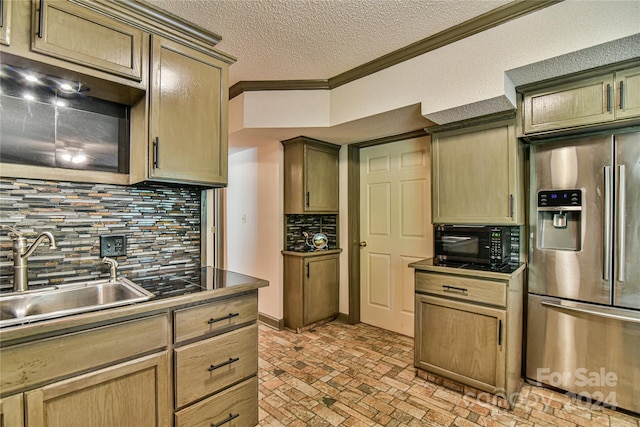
(477, 175)
(311, 176)
(468, 328)
(188, 121)
(608, 97)
(311, 283)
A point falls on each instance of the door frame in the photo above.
(353, 214)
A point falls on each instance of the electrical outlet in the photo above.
(114, 245)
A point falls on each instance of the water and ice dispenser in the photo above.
(560, 220)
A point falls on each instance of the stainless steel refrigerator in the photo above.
(583, 318)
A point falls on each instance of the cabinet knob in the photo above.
(363, 244)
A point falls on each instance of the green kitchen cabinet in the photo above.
(310, 176)
(477, 175)
(610, 97)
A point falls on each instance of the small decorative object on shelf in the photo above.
(318, 241)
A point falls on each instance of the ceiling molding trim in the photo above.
(418, 133)
(468, 28)
(260, 85)
(171, 20)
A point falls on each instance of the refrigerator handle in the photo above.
(606, 267)
(622, 202)
(623, 315)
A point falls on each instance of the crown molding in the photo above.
(468, 28)
(261, 85)
(418, 133)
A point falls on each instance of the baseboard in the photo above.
(343, 317)
(271, 321)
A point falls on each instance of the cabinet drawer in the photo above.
(42, 361)
(483, 291)
(235, 407)
(207, 366)
(208, 318)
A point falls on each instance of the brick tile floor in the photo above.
(358, 375)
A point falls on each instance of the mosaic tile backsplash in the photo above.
(161, 224)
(312, 224)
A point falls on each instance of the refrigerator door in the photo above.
(586, 349)
(627, 215)
(572, 259)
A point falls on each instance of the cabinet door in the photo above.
(5, 21)
(476, 176)
(134, 393)
(11, 411)
(628, 88)
(320, 288)
(188, 130)
(73, 33)
(321, 179)
(578, 103)
(461, 341)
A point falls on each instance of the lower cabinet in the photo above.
(236, 406)
(469, 329)
(124, 374)
(311, 283)
(216, 363)
(11, 411)
(112, 375)
(461, 341)
(129, 394)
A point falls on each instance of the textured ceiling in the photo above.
(318, 39)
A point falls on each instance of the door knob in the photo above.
(363, 244)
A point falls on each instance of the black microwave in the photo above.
(490, 245)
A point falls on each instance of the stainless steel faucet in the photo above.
(113, 268)
(21, 252)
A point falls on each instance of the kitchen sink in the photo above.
(64, 300)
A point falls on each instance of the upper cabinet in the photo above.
(123, 93)
(5, 22)
(608, 98)
(73, 33)
(477, 175)
(188, 127)
(628, 96)
(311, 176)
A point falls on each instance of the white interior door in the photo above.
(395, 223)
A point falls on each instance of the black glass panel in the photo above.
(45, 123)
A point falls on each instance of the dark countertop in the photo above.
(179, 287)
(317, 252)
(433, 265)
(189, 281)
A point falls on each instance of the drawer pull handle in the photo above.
(231, 417)
(448, 288)
(220, 319)
(228, 362)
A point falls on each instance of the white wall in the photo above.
(254, 220)
(458, 81)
